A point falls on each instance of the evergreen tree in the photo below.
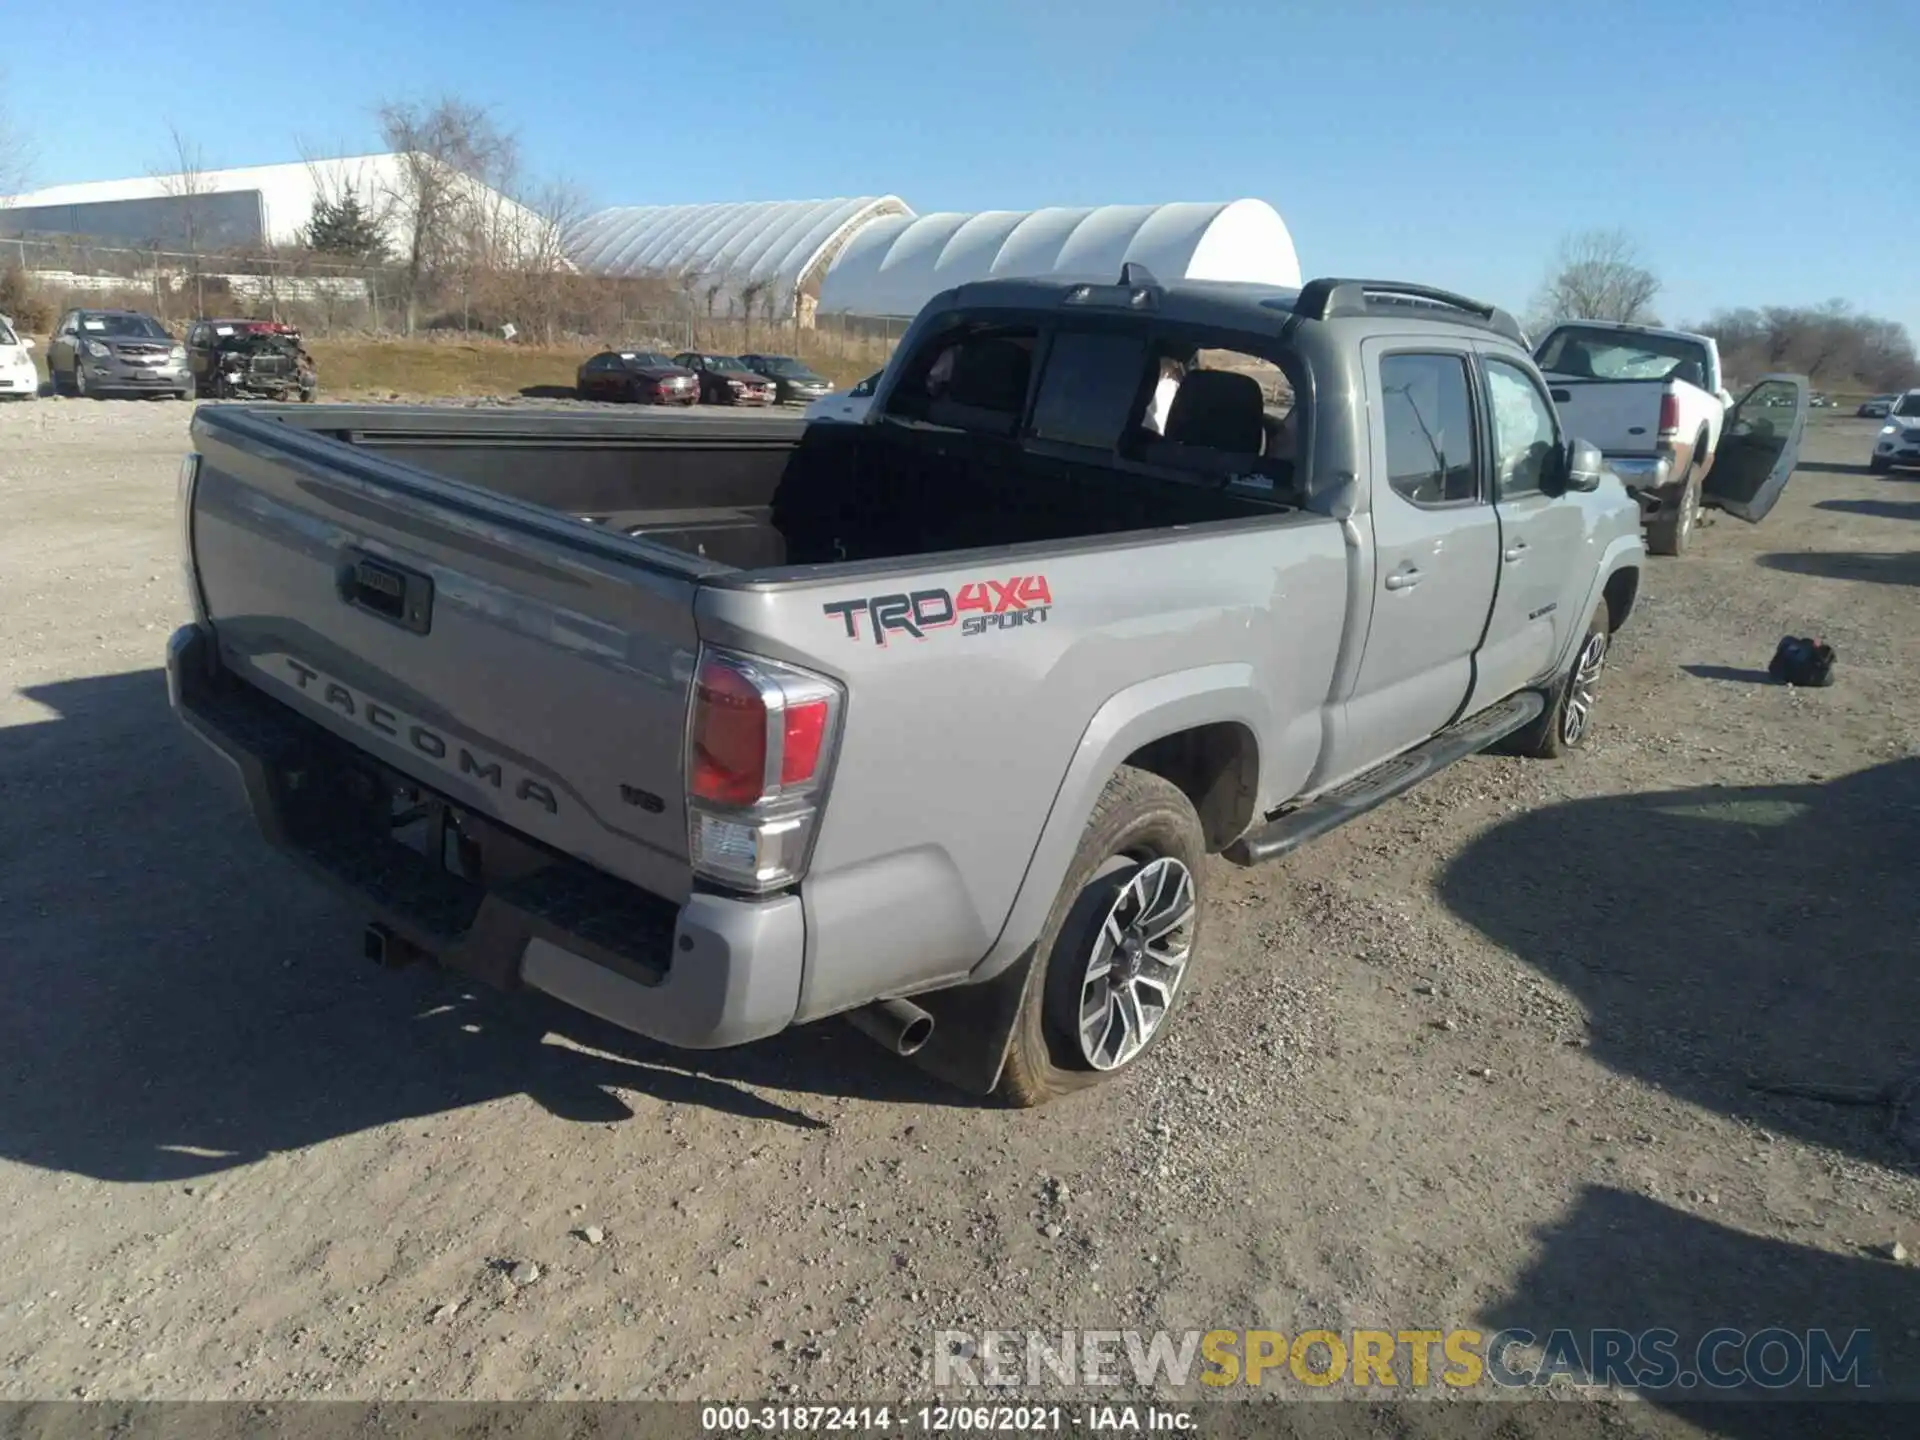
(342, 227)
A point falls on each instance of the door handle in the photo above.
(1514, 551)
(1403, 579)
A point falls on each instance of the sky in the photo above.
(1758, 153)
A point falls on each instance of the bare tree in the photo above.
(750, 295)
(449, 154)
(187, 183)
(16, 151)
(525, 246)
(1598, 275)
(1831, 344)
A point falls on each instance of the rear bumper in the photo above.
(711, 973)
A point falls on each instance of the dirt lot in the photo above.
(1482, 1059)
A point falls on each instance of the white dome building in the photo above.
(777, 247)
(893, 265)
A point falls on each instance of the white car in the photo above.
(1899, 442)
(18, 379)
(848, 407)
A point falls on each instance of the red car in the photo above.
(645, 377)
(727, 380)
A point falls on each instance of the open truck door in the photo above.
(1759, 446)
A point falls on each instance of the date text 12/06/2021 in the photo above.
(945, 1419)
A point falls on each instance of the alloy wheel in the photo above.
(1138, 959)
(1580, 691)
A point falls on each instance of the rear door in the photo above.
(1541, 548)
(1759, 446)
(1436, 547)
(516, 660)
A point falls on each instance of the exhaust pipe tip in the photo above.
(386, 949)
(899, 1025)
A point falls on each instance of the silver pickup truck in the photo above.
(712, 727)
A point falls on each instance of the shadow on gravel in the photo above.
(181, 999)
(1726, 935)
(1622, 1261)
(1731, 673)
(1879, 509)
(1829, 467)
(549, 392)
(1901, 567)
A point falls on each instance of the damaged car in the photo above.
(257, 359)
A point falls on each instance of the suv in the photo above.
(1899, 442)
(930, 721)
(116, 352)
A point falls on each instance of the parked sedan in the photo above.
(646, 377)
(105, 352)
(1876, 407)
(793, 382)
(726, 379)
(846, 407)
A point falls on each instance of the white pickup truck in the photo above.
(1654, 402)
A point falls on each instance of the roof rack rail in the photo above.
(1334, 298)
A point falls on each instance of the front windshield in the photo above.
(7, 337)
(649, 360)
(1610, 355)
(1909, 405)
(727, 363)
(135, 327)
(786, 366)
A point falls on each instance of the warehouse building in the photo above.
(214, 210)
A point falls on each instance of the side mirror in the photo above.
(1583, 466)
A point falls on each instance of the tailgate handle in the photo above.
(394, 593)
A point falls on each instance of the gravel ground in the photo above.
(1480, 1059)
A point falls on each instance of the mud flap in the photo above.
(972, 1027)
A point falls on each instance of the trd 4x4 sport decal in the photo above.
(979, 607)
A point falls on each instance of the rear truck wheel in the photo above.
(1671, 531)
(1880, 465)
(1118, 949)
(1568, 719)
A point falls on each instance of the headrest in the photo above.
(1219, 409)
(990, 375)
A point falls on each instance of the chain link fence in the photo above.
(331, 298)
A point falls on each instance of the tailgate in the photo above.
(1621, 417)
(518, 662)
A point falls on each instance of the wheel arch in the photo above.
(1621, 590)
(1197, 729)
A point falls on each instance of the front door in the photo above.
(1436, 548)
(1541, 548)
(1759, 446)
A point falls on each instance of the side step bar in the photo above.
(1293, 828)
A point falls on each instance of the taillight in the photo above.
(1669, 415)
(760, 741)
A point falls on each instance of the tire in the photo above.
(1568, 719)
(80, 391)
(1141, 859)
(1879, 465)
(1672, 534)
